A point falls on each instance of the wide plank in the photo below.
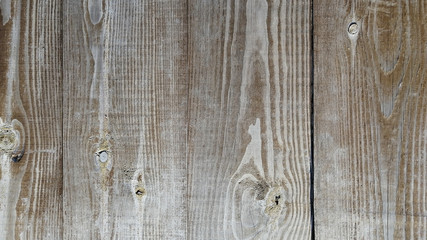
(125, 110)
(370, 111)
(30, 119)
(249, 119)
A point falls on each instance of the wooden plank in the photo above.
(30, 119)
(125, 110)
(370, 119)
(249, 132)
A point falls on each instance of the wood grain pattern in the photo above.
(249, 120)
(125, 119)
(191, 119)
(30, 120)
(370, 119)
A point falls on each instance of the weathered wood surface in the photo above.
(125, 95)
(30, 120)
(370, 108)
(191, 119)
(249, 120)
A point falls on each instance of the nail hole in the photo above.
(353, 28)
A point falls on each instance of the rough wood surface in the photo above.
(192, 119)
(125, 119)
(249, 120)
(30, 120)
(370, 109)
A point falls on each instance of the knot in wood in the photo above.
(274, 202)
(9, 139)
(12, 139)
(103, 156)
(353, 28)
(140, 192)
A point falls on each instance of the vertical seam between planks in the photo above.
(187, 227)
(313, 235)
(62, 8)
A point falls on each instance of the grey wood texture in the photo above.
(370, 133)
(249, 120)
(125, 111)
(213, 119)
(30, 120)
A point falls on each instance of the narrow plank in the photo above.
(370, 119)
(125, 110)
(249, 129)
(30, 119)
